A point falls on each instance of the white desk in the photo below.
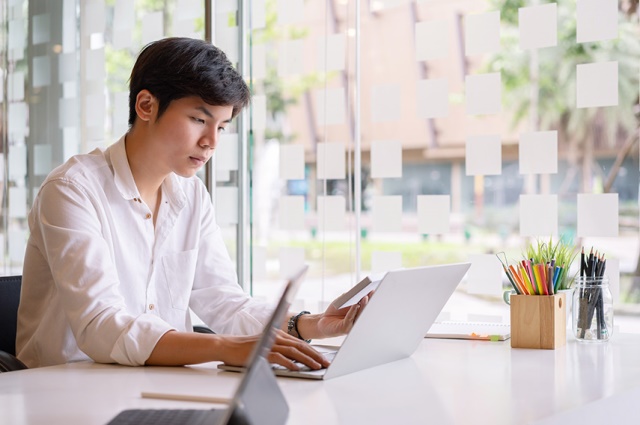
(444, 382)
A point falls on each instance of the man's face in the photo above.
(186, 134)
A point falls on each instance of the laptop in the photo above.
(258, 398)
(391, 327)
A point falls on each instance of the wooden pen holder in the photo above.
(538, 321)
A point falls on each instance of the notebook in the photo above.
(258, 398)
(398, 316)
(470, 330)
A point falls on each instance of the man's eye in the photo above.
(222, 129)
(198, 120)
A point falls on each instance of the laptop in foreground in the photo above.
(258, 399)
(398, 316)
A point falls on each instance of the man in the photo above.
(123, 241)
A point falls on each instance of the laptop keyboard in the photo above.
(329, 355)
(160, 416)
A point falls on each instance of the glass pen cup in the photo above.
(592, 309)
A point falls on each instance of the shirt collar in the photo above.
(121, 171)
(125, 183)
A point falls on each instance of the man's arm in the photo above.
(182, 348)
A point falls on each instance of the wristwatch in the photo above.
(292, 326)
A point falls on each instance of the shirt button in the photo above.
(148, 216)
(151, 306)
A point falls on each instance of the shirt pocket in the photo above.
(179, 272)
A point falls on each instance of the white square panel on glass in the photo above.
(68, 112)
(292, 162)
(17, 120)
(42, 160)
(16, 86)
(124, 15)
(152, 27)
(485, 275)
(93, 18)
(538, 26)
(387, 213)
(120, 113)
(383, 261)
(331, 160)
(184, 28)
(18, 245)
(291, 260)
(259, 262)
(330, 106)
(95, 65)
(482, 33)
(432, 40)
(41, 71)
(291, 213)
(538, 215)
(538, 152)
(434, 213)
(483, 155)
(597, 84)
(598, 215)
(258, 14)
(17, 202)
(259, 112)
(290, 58)
(332, 213)
(433, 98)
(596, 20)
(17, 163)
(227, 41)
(332, 53)
(386, 159)
(259, 61)
(67, 67)
(290, 12)
(122, 39)
(226, 205)
(483, 93)
(226, 152)
(385, 103)
(41, 29)
(190, 9)
(95, 112)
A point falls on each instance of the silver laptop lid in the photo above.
(398, 316)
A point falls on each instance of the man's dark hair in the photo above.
(174, 68)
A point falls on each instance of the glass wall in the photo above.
(65, 68)
(482, 127)
(382, 134)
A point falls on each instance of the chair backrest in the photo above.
(9, 300)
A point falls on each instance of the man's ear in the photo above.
(146, 105)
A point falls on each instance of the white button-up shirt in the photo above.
(101, 282)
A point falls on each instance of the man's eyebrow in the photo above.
(204, 111)
(209, 114)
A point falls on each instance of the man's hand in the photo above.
(285, 351)
(333, 322)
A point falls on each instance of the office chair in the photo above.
(9, 300)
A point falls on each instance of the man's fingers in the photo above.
(297, 350)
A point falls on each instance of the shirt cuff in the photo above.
(136, 343)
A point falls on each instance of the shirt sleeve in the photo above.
(85, 277)
(217, 298)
